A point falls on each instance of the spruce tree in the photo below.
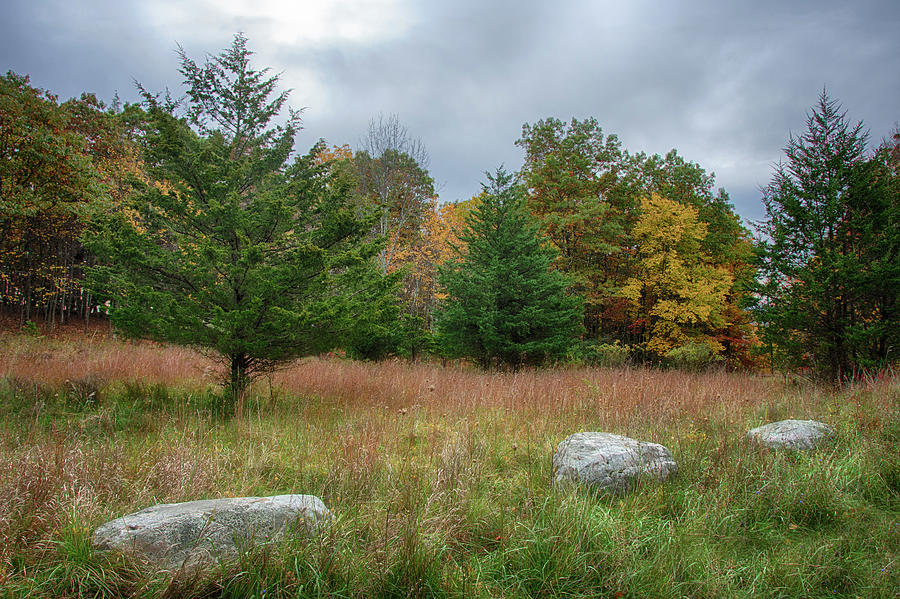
(505, 306)
(830, 264)
(235, 245)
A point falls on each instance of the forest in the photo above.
(195, 221)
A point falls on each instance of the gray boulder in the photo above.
(610, 463)
(791, 434)
(207, 532)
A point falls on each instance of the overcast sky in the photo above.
(724, 82)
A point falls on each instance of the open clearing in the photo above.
(440, 478)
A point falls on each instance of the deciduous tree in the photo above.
(56, 161)
(393, 176)
(677, 295)
(572, 176)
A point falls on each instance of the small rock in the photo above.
(791, 434)
(207, 532)
(609, 462)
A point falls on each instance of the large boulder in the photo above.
(610, 463)
(791, 434)
(207, 532)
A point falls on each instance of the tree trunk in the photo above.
(27, 313)
(86, 298)
(238, 379)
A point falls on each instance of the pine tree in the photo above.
(236, 247)
(871, 264)
(505, 306)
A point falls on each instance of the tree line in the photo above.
(194, 221)
(56, 162)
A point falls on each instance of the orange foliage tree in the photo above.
(439, 235)
(57, 164)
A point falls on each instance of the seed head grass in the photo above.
(440, 478)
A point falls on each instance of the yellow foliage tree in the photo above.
(677, 294)
(433, 247)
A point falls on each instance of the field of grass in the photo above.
(439, 478)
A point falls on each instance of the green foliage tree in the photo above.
(505, 306)
(572, 177)
(830, 281)
(392, 173)
(587, 191)
(392, 170)
(871, 260)
(235, 246)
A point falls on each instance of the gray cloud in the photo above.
(724, 83)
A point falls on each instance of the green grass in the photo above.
(453, 498)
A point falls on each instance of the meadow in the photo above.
(439, 477)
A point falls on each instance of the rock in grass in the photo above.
(610, 463)
(207, 532)
(791, 434)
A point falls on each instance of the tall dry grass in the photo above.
(627, 399)
(98, 357)
(647, 393)
(439, 473)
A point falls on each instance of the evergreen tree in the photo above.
(829, 285)
(236, 247)
(871, 264)
(505, 306)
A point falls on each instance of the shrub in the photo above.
(692, 356)
(607, 355)
(31, 329)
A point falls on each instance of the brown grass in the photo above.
(58, 481)
(405, 449)
(396, 386)
(613, 394)
(97, 357)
